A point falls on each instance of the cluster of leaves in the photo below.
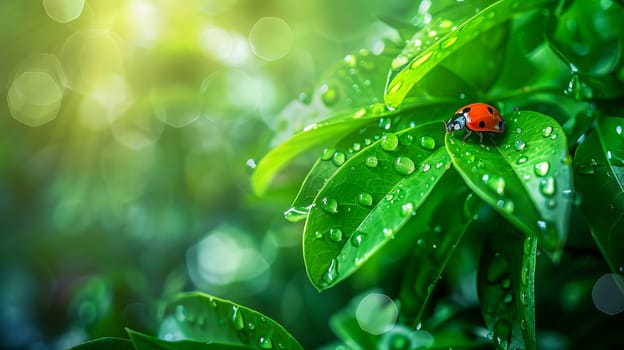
(391, 184)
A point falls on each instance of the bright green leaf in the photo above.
(414, 63)
(108, 343)
(204, 318)
(369, 199)
(454, 205)
(506, 289)
(599, 177)
(525, 176)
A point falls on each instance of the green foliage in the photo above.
(390, 188)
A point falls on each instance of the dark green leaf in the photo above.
(146, 342)
(108, 343)
(449, 210)
(415, 62)
(203, 318)
(369, 199)
(526, 176)
(599, 177)
(506, 289)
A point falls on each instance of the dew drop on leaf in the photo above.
(425, 167)
(328, 153)
(389, 142)
(524, 298)
(541, 168)
(427, 142)
(522, 160)
(547, 131)
(357, 239)
(350, 60)
(519, 144)
(329, 205)
(365, 199)
(448, 42)
(388, 232)
(372, 161)
(404, 166)
(237, 318)
(335, 234)
(265, 343)
(329, 95)
(332, 272)
(297, 213)
(338, 158)
(407, 209)
(523, 324)
(547, 186)
(508, 298)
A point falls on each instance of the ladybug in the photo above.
(478, 117)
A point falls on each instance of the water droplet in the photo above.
(332, 272)
(357, 239)
(508, 298)
(365, 199)
(494, 182)
(329, 205)
(518, 130)
(547, 186)
(524, 275)
(551, 203)
(389, 142)
(237, 318)
(502, 332)
(618, 129)
(420, 60)
(523, 324)
(547, 131)
(508, 206)
(519, 144)
(388, 232)
(339, 158)
(541, 168)
(265, 343)
(406, 139)
(328, 153)
(329, 95)
(356, 147)
(522, 160)
(251, 326)
(524, 299)
(425, 167)
(448, 42)
(297, 213)
(553, 136)
(506, 283)
(372, 161)
(404, 166)
(407, 209)
(335, 234)
(497, 269)
(427, 142)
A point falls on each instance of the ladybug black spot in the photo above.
(482, 124)
(490, 110)
(466, 110)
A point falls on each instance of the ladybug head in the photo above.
(458, 122)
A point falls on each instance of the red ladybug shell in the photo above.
(482, 117)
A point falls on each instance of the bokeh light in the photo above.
(376, 313)
(608, 294)
(63, 11)
(271, 38)
(35, 98)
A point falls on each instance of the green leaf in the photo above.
(369, 199)
(525, 176)
(146, 342)
(506, 289)
(333, 157)
(107, 343)
(599, 177)
(454, 205)
(204, 318)
(313, 135)
(415, 62)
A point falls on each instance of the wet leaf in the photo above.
(599, 177)
(506, 289)
(204, 318)
(366, 203)
(413, 64)
(525, 175)
(452, 208)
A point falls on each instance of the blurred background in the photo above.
(129, 131)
